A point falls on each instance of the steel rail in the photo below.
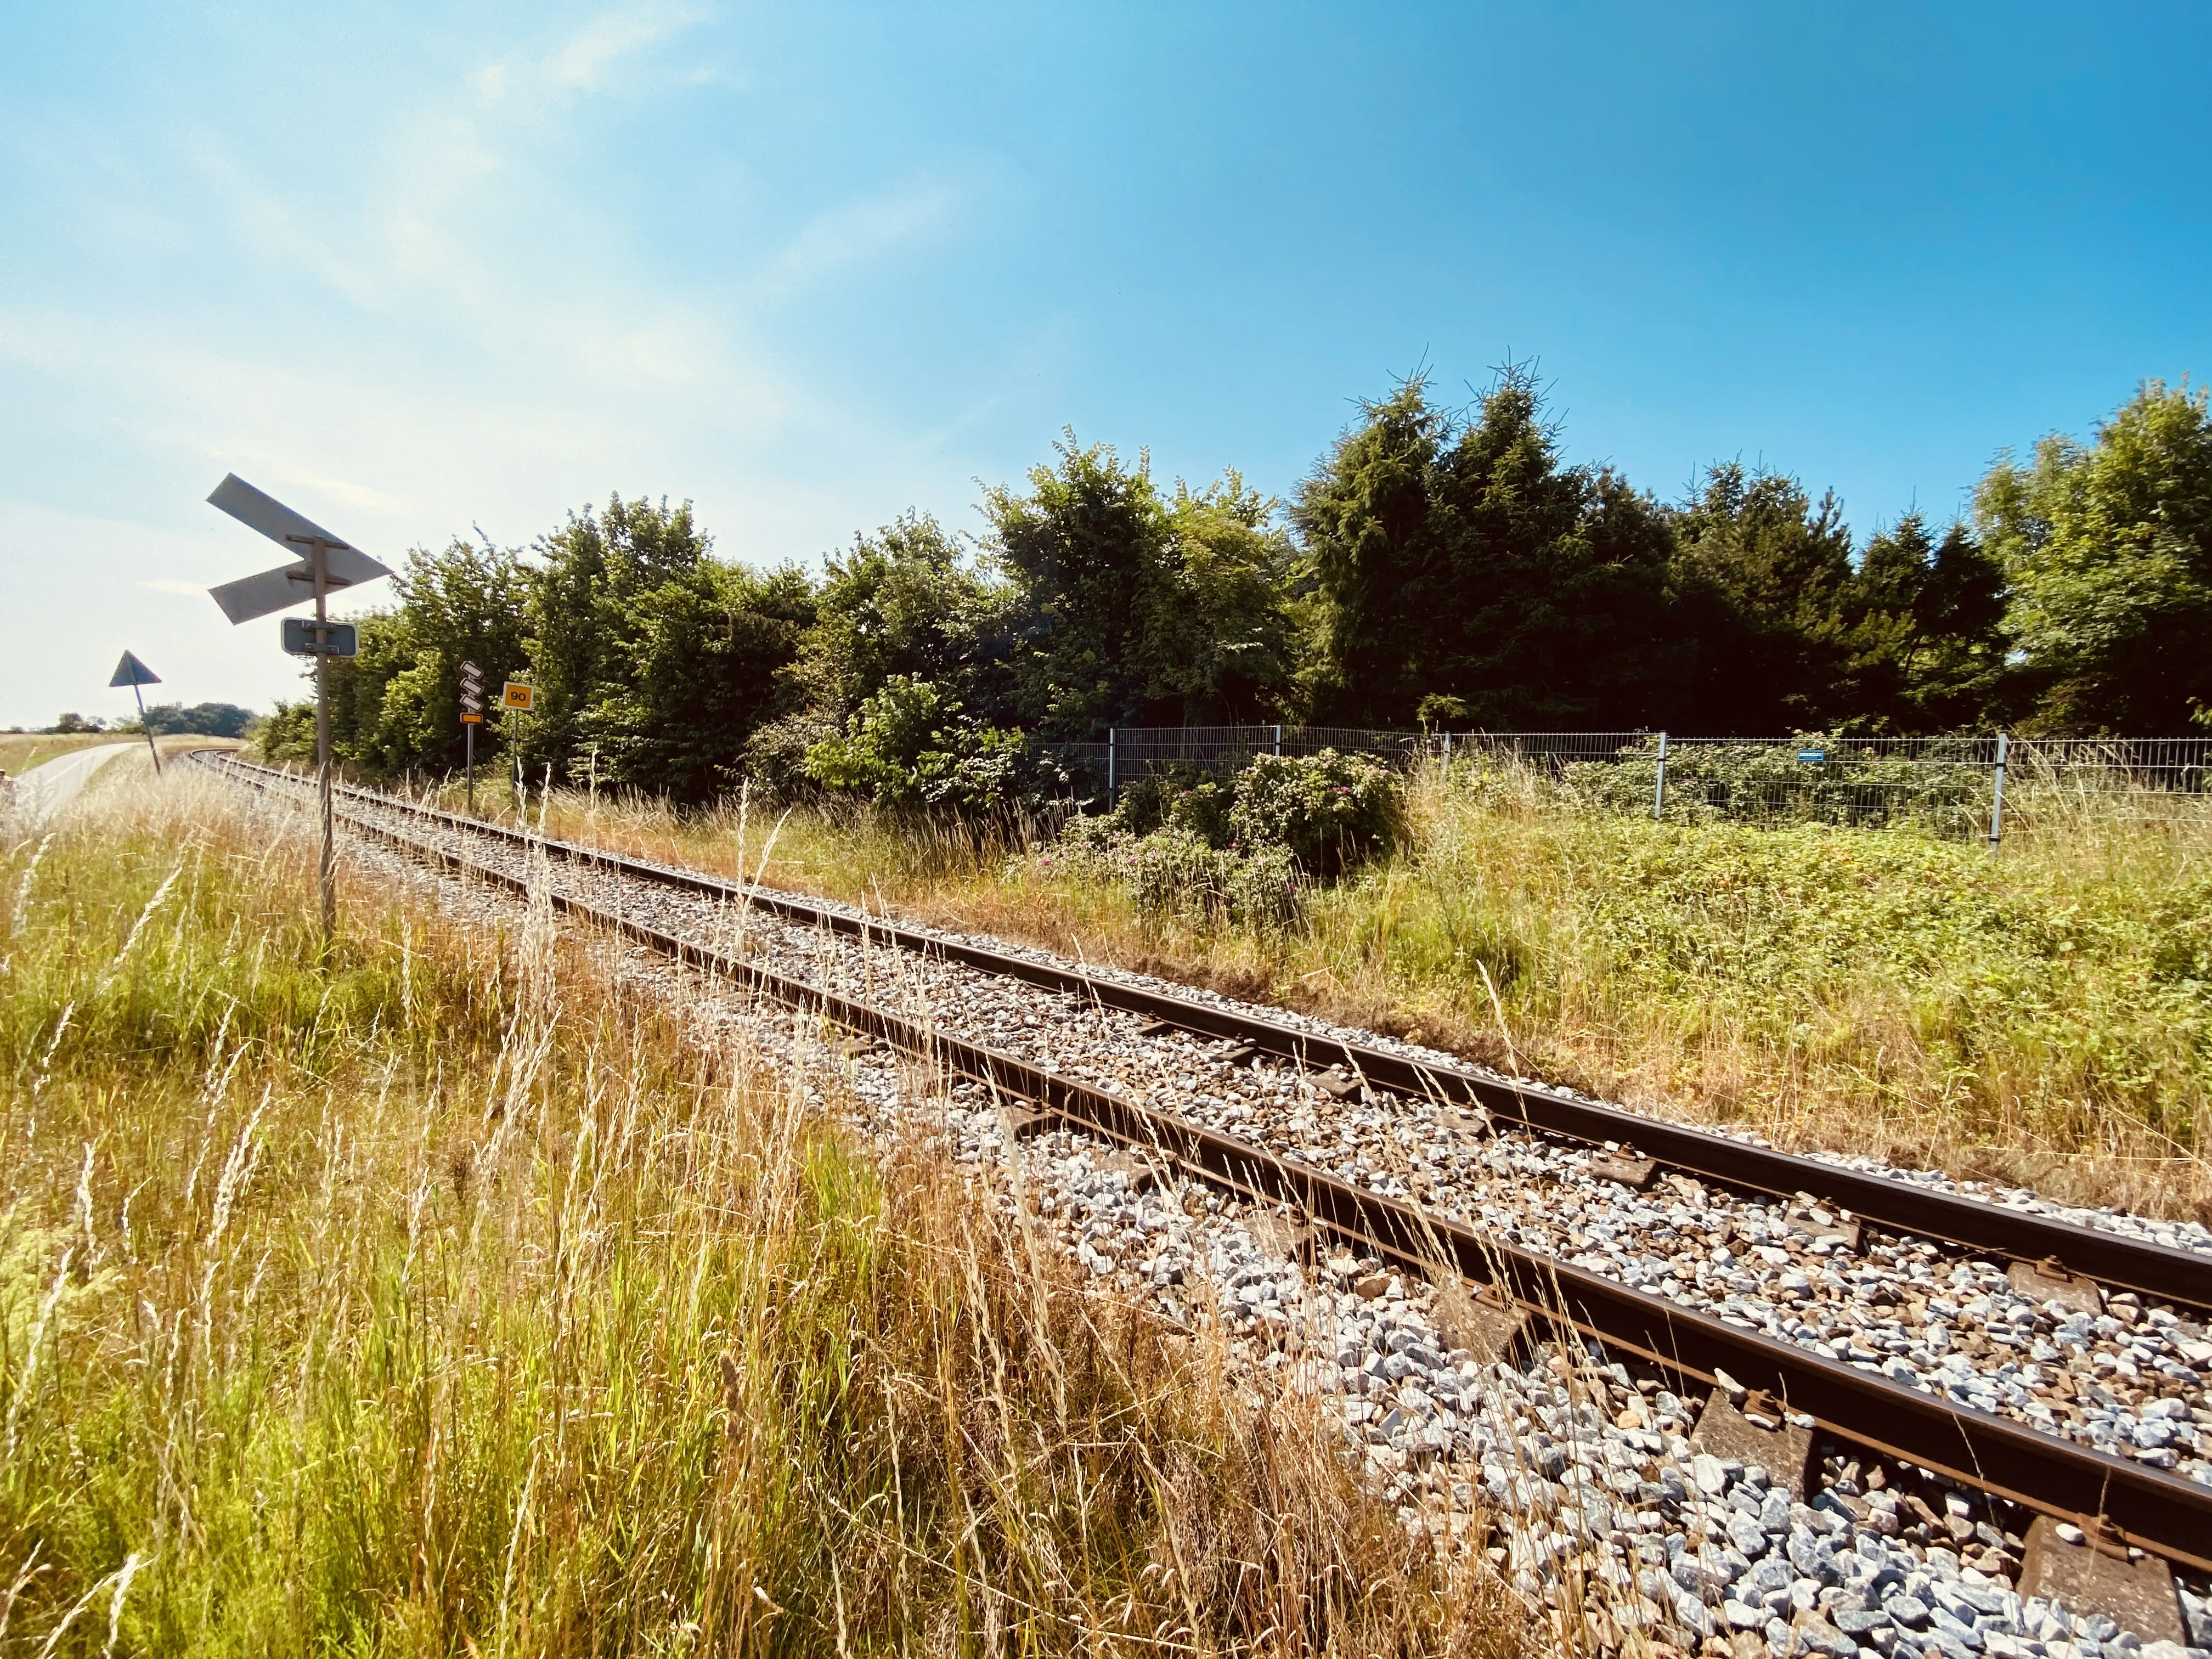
(2113, 1259)
(2159, 1512)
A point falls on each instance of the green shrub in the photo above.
(1187, 796)
(1175, 874)
(911, 749)
(1187, 849)
(776, 756)
(1766, 783)
(1330, 811)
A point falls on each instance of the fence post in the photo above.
(1278, 742)
(1110, 767)
(1448, 753)
(1997, 798)
(1659, 792)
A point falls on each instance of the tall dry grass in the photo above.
(442, 1295)
(2042, 1015)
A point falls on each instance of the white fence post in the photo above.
(1659, 792)
(1278, 743)
(1997, 797)
(1110, 767)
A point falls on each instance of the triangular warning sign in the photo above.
(131, 672)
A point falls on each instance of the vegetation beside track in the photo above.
(442, 1296)
(2042, 1015)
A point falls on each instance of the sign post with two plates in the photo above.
(321, 561)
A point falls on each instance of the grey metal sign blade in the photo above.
(259, 594)
(346, 563)
(287, 585)
(131, 672)
(263, 513)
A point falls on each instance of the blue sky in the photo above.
(414, 268)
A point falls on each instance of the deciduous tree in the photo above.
(2107, 547)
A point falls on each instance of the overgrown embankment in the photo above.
(2042, 1015)
(441, 1297)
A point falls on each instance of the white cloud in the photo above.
(589, 60)
(857, 231)
(275, 232)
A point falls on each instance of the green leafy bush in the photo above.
(1766, 783)
(911, 749)
(1329, 811)
(1175, 874)
(776, 756)
(1184, 796)
(1187, 847)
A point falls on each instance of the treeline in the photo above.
(1437, 567)
(207, 720)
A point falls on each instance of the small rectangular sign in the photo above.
(515, 694)
(1811, 757)
(472, 720)
(340, 639)
(471, 705)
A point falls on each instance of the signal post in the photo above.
(328, 563)
(471, 718)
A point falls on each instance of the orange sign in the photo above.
(515, 694)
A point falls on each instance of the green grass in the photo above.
(2042, 1015)
(437, 1295)
(2045, 1013)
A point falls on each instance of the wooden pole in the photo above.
(328, 861)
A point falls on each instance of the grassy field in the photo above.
(2042, 1016)
(436, 1294)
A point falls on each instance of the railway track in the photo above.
(1258, 1092)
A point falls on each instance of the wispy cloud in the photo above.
(857, 231)
(273, 230)
(589, 60)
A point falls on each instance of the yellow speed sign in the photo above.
(515, 694)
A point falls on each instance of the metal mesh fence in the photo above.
(1965, 786)
(1132, 752)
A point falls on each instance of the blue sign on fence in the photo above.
(1811, 757)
